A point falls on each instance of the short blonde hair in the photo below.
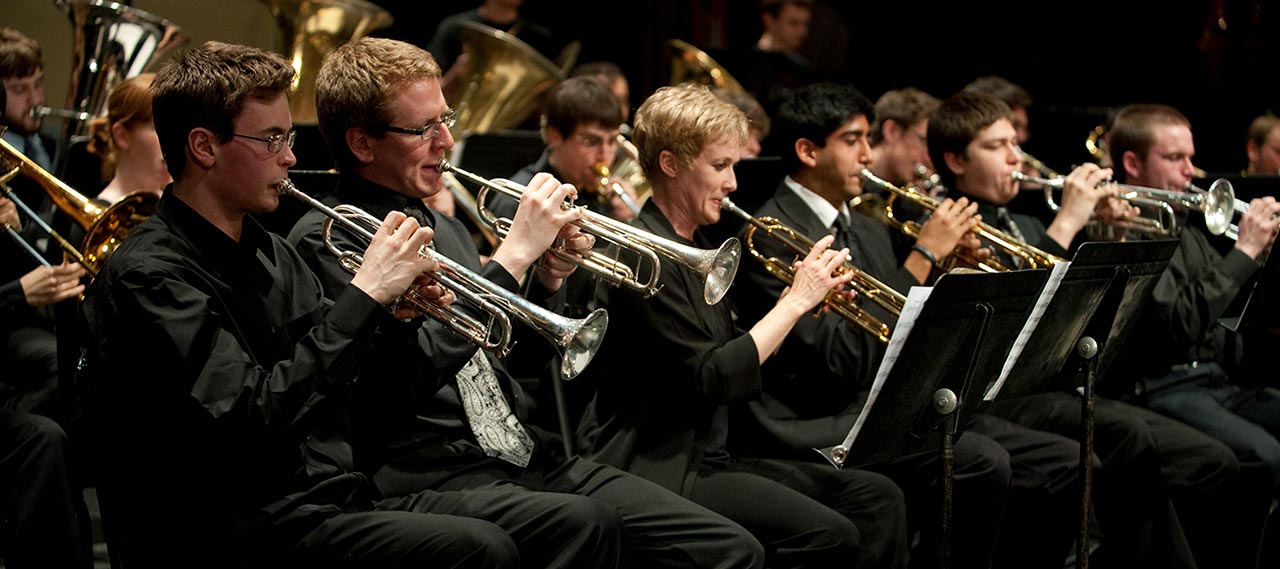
(683, 120)
(357, 83)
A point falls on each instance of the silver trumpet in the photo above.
(42, 112)
(576, 340)
(717, 267)
(1217, 204)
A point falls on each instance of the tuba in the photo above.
(111, 42)
(504, 82)
(692, 65)
(104, 227)
(312, 29)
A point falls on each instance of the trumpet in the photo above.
(1165, 222)
(576, 340)
(716, 267)
(606, 184)
(1239, 206)
(1218, 203)
(42, 112)
(865, 285)
(1032, 257)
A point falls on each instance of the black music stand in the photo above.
(957, 329)
(1091, 311)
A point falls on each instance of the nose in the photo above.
(1015, 154)
(444, 140)
(287, 158)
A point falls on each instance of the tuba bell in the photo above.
(692, 65)
(311, 30)
(504, 81)
(111, 42)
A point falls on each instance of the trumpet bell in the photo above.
(581, 341)
(311, 30)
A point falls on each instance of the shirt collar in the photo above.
(376, 199)
(207, 238)
(821, 207)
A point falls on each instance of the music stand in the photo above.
(949, 336)
(1093, 307)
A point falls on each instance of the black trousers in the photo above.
(570, 513)
(1148, 463)
(810, 514)
(39, 496)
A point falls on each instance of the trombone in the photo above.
(1218, 203)
(1032, 257)
(716, 267)
(576, 340)
(865, 285)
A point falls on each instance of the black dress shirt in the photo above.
(668, 367)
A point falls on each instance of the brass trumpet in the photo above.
(865, 285)
(605, 186)
(717, 267)
(577, 340)
(1032, 257)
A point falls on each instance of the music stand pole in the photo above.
(945, 403)
(1087, 349)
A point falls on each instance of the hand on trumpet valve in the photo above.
(951, 225)
(1083, 191)
(553, 268)
(48, 285)
(816, 275)
(1258, 226)
(395, 260)
(539, 220)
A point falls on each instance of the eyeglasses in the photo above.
(431, 129)
(274, 142)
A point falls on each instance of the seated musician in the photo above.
(816, 384)
(432, 411)
(1145, 458)
(1171, 362)
(125, 140)
(216, 371)
(671, 365)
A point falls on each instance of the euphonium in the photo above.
(504, 82)
(111, 42)
(865, 285)
(717, 267)
(311, 30)
(104, 227)
(1032, 257)
(577, 340)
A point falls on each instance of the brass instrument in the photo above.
(104, 227)
(1239, 206)
(577, 340)
(1217, 204)
(111, 42)
(505, 81)
(1032, 257)
(605, 186)
(311, 30)
(1165, 222)
(1038, 166)
(865, 285)
(627, 167)
(692, 65)
(717, 267)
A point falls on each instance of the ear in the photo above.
(1251, 150)
(1131, 163)
(360, 143)
(669, 164)
(118, 136)
(552, 136)
(201, 145)
(891, 131)
(955, 162)
(807, 152)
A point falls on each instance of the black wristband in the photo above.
(926, 252)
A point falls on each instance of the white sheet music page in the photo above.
(907, 320)
(1046, 294)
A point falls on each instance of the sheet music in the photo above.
(1042, 303)
(906, 321)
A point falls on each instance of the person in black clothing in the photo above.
(817, 383)
(1145, 458)
(40, 498)
(671, 365)
(216, 372)
(1172, 361)
(425, 410)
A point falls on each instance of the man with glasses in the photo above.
(216, 372)
(431, 411)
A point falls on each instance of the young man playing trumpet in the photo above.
(818, 380)
(1145, 458)
(432, 411)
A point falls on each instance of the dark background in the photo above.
(1079, 59)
